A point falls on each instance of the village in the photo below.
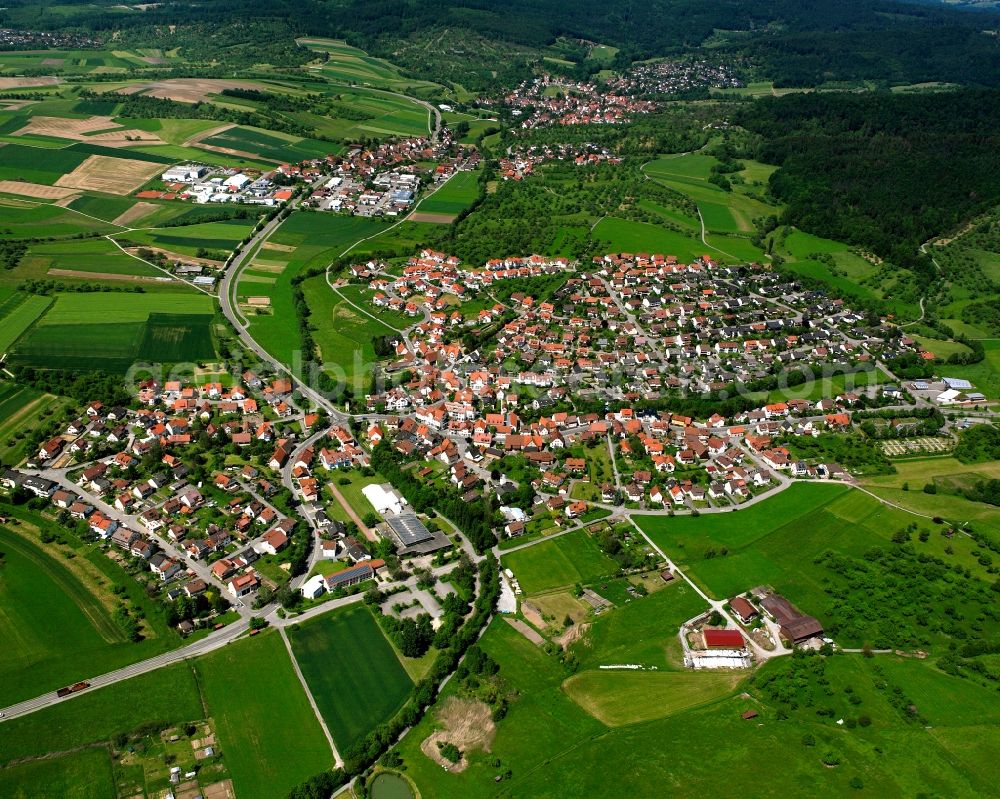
(258, 508)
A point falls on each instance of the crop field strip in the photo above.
(157, 327)
(259, 714)
(17, 313)
(352, 672)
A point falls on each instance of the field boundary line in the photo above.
(338, 761)
(110, 237)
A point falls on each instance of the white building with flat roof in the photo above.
(384, 498)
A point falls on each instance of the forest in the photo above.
(798, 43)
(883, 171)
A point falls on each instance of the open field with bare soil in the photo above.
(110, 175)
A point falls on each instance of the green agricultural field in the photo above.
(88, 260)
(28, 220)
(642, 631)
(18, 311)
(343, 334)
(216, 237)
(564, 561)
(168, 695)
(352, 672)
(259, 707)
(351, 65)
(58, 621)
(81, 775)
(622, 235)
(35, 165)
(81, 309)
(461, 190)
(985, 375)
(147, 327)
(307, 240)
(271, 145)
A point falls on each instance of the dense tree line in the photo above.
(885, 171)
(84, 387)
(979, 443)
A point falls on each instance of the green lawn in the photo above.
(81, 775)
(564, 561)
(168, 695)
(352, 672)
(56, 627)
(266, 727)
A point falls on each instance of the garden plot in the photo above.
(910, 446)
(110, 175)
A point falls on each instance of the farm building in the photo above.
(723, 639)
(743, 609)
(795, 626)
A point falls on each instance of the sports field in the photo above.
(352, 672)
(266, 726)
(564, 561)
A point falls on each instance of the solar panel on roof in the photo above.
(409, 529)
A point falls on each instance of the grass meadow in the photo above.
(306, 240)
(80, 775)
(265, 725)
(775, 543)
(564, 561)
(554, 748)
(56, 612)
(168, 695)
(453, 197)
(352, 671)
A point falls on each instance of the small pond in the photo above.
(389, 786)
